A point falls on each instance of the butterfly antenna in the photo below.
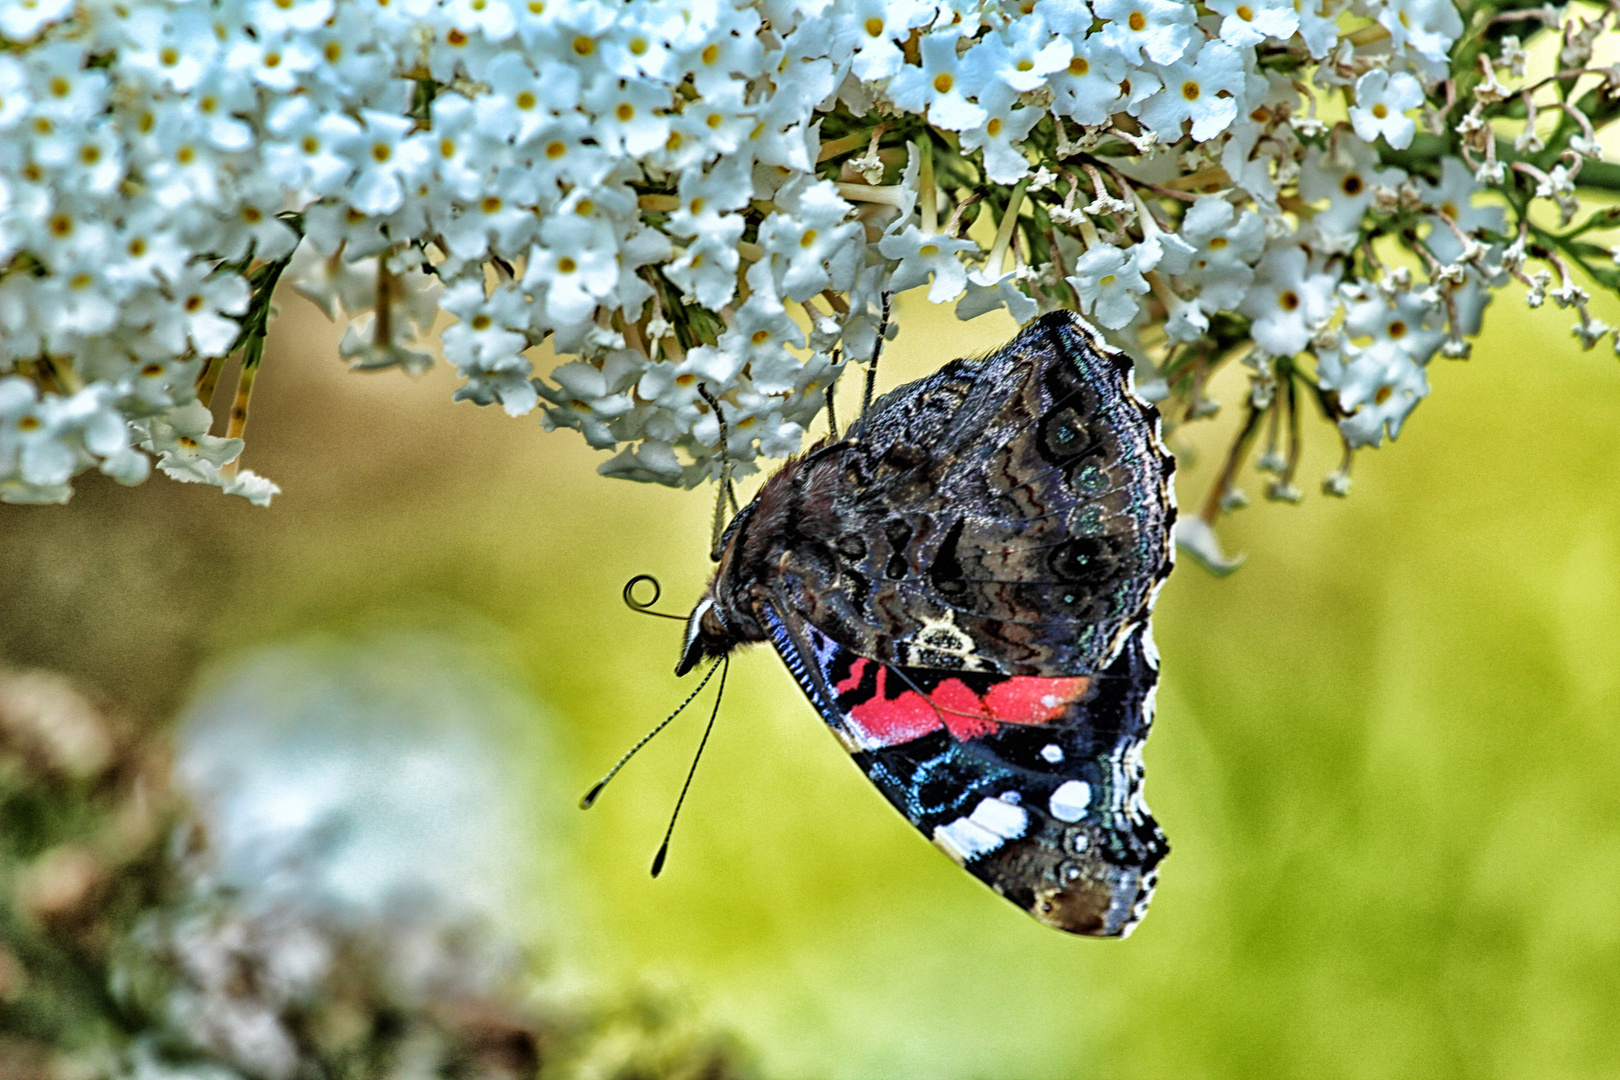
(645, 608)
(725, 493)
(663, 849)
(596, 789)
(877, 351)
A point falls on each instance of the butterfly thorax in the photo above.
(793, 507)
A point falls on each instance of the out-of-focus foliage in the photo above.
(1385, 750)
(84, 808)
(123, 954)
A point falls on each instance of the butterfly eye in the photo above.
(851, 546)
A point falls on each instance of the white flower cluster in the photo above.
(699, 200)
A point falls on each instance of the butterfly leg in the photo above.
(726, 493)
(877, 351)
(832, 415)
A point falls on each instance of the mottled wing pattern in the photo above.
(1007, 515)
(1031, 783)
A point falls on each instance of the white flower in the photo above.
(761, 334)
(1346, 175)
(1428, 27)
(1250, 22)
(873, 29)
(1020, 56)
(1378, 387)
(31, 448)
(988, 291)
(1410, 321)
(936, 88)
(927, 255)
(1206, 89)
(1195, 538)
(20, 20)
(810, 245)
(1108, 283)
(723, 46)
(1382, 101)
(388, 160)
(1226, 245)
(15, 99)
(1287, 301)
(651, 462)
(199, 315)
(591, 398)
(627, 113)
(707, 271)
(313, 150)
(1000, 134)
(1087, 88)
(274, 61)
(173, 46)
(1160, 30)
(575, 264)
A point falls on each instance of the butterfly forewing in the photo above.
(1032, 783)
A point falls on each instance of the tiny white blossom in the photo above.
(1205, 89)
(936, 88)
(1250, 22)
(1159, 30)
(1087, 89)
(1108, 283)
(1382, 102)
(1287, 301)
(927, 255)
(1378, 387)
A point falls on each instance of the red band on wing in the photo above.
(1018, 699)
(887, 722)
(1026, 699)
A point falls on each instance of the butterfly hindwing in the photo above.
(1009, 514)
(1033, 784)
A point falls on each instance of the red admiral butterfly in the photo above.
(962, 586)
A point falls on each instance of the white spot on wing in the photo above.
(1052, 752)
(962, 840)
(1070, 800)
(1006, 821)
(992, 823)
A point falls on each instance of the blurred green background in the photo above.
(1387, 754)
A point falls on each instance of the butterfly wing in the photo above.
(1008, 515)
(1033, 784)
(962, 587)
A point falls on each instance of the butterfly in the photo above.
(961, 585)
